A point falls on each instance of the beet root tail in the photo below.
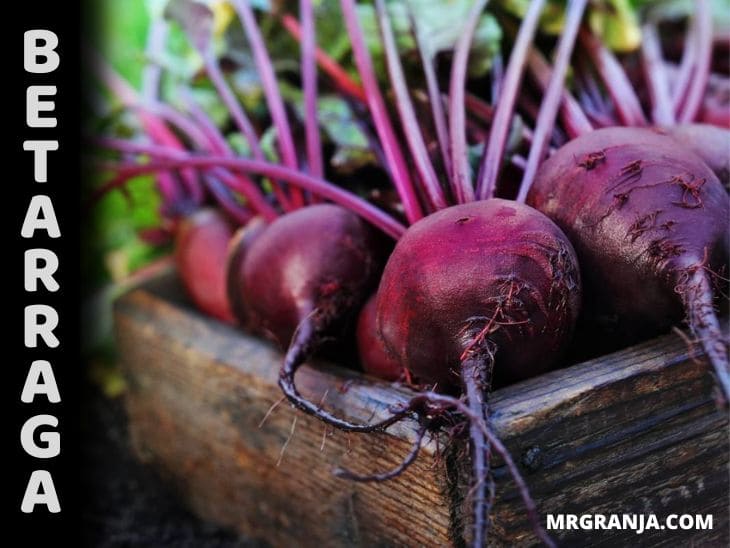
(475, 378)
(304, 343)
(394, 472)
(697, 295)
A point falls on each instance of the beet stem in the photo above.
(309, 85)
(434, 94)
(240, 183)
(491, 163)
(242, 121)
(411, 129)
(551, 101)
(686, 66)
(329, 66)
(240, 214)
(696, 89)
(397, 165)
(170, 159)
(655, 77)
(615, 80)
(696, 292)
(390, 474)
(461, 179)
(166, 182)
(150, 113)
(572, 115)
(272, 94)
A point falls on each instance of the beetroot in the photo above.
(304, 278)
(201, 248)
(374, 357)
(480, 277)
(649, 221)
(473, 286)
(709, 142)
(238, 248)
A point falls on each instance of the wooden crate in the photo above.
(633, 432)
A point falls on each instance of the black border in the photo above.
(63, 186)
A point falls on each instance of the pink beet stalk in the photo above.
(309, 83)
(391, 147)
(239, 182)
(655, 77)
(696, 90)
(551, 101)
(166, 159)
(412, 130)
(572, 116)
(329, 66)
(492, 159)
(615, 79)
(271, 90)
(461, 171)
(434, 94)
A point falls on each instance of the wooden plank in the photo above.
(633, 432)
(198, 393)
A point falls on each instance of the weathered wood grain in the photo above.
(633, 432)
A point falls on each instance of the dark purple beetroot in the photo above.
(491, 276)
(477, 287)
(649, 221)
(374, 358)
(238, 247)
(710, 143)
(201, 244)
(303, 281)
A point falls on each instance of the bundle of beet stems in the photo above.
(477, 286)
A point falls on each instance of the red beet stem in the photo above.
(573, 118)
(152, 71)
(655, 77)
(242, 121)
(494, 151)
(701, 74)
(615, 80)
(147, 111)
(168, 159)
(309, 85)
(551, 101)
(397, 164)
(414, 136)
(329, 66)
(460, 174)
(240, 182)
(434, 94)
(686, 67)
(274, 101)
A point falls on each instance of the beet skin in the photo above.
(374, 357)
(495, 274)
(201, 248)
(318, 262)
(649, 221)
